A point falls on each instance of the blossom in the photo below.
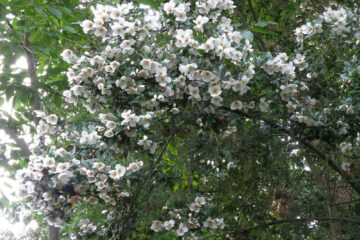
(49, 162)
(169, 224)
(169, 7)
(195, 207)
(156, 226)
(87, 25)
(120, 170)
(200, 200)
(215, 91)
(52, 119)
(182, 229)
(61, 167)
(236, 105)
(209, 222)
(64, 177)
(89, 138)
(135, 166)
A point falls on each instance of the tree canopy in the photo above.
(179, 119)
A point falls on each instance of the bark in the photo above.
(32, 74)
(53, 233)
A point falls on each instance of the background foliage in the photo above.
(278, 189)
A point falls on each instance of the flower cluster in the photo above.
(55, 186)
(132, 72)
(86, 227)
(193, 217)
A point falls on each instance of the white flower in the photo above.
(169, 7)
(145, 142)
(129, 118)
(87, 25)
(215, 91)
(77, 90)
(124, 193)
(236, 105)
(200, 200)
(49, 162)
(264, 106)
(100, 32)
(181, 230)
(42, 127)
(68, 56)
(345, 146)
(169, 224)
(194, 92)
(156, 226)
(99, 166)
(133, 167)
(52, 119)
(180, 16)
(345, 166)
(111, 125)
(220, 223)
(209, 223)
(92, 200)
(64, 177)
(208, 76)
(109, 133)
(120, 170)
(89, 138)
(62, 167)
(195, 207)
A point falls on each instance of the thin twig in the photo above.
(252, 10)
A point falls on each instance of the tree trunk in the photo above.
(53, 233)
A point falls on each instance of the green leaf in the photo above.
(263, 31)
(264, 24)
(151, 3)
(70, 29)
(58, 100)
(4, 2)
(38, 7)
(248, 35)
(42, 50)
(55, 12)
(261, 24)
(66, 10)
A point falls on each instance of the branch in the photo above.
(10, 25)
(306, 143)
(301, 220)
(19, 142)
(32, 73)
(252, 10)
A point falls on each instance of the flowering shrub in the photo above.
(153, 70)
